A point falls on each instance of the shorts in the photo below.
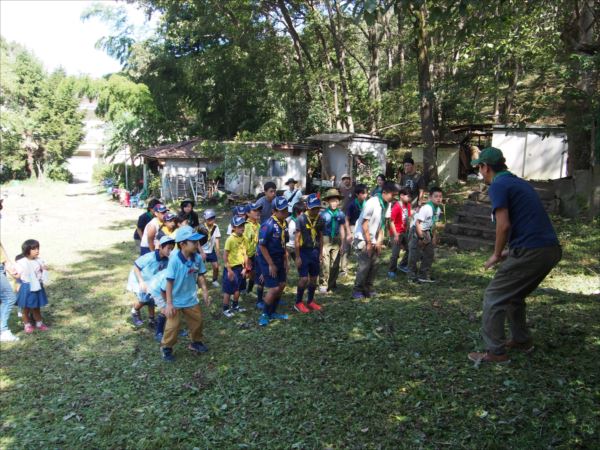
(212, 257)
(281, 276)
(232, 286)
(311, 263)
(145, 298)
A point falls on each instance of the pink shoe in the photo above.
(42, 327)
(29, 328)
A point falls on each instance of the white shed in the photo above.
(536, 152)
(340, 149)
(291, 164)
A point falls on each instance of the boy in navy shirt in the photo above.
(533, 251)
(308, 241)
(334, 238)
(273, 259)
(184, 274)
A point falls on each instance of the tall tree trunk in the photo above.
(497, 89)
(512, 91)
(426, 95)
(578, 35)
(330, 82)
(374, 90)
(336, 29)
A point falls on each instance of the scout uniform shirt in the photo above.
(236, 248)
(184, 274)
(274, 235)
(148, 264)
(251, 235)
(310, 231)
(333, 220)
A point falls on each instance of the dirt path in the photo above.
(67, 219)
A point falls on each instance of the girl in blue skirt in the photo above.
(32, 272)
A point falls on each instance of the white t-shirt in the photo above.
(32, 271)
(373, 212)
(210, 244)
(425, 216)
(291, 243)
(154, 223)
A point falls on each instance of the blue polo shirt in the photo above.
(353, 211)
(530, 224)
(267, 208)
(270, 235)
(154, 288)
(332, 223)
(149, 264)
(184, 273)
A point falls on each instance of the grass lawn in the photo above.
(390, 372)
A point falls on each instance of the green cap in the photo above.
(489, 155)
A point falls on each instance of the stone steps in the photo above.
(463, 229)
(473, 243)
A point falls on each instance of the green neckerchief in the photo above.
(149, 214)
(384, 206)
(359, 205)
(334, 214)
(293, 217)
(436, 210)
(503, 173)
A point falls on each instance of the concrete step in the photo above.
(476, 208)
(461, 229)
(473, 243)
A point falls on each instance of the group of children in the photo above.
(174, 254)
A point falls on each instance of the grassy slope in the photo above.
(386, 373)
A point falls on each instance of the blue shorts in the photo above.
(232, 286)
(145, 298)
(281, 276)
(311, 262)
(212, 257)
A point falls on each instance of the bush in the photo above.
(59, 172)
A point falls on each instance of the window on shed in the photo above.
(278, 168)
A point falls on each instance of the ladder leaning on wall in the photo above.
(198, 186)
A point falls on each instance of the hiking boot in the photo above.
(198, 347)
(7, 336)
(403, 269)
(167, 354)
(277, 316)
(301, 308)
(525, 347)
(480, 357)
(229, 313)
(315, 306)
(137, 319)
(263, 320)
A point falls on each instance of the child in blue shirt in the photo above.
(273, 259)
(144, 268)
(184, 273)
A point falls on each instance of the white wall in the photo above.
(338, 155)
(448, 160)
(244, 183)
(533, 155)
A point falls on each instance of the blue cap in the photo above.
(239, 210)
(237, 221)
(168, 217)
(165, 240)
(209, 214)
(159, 207)
(281, 203)
(312, 201)
(187, 233)
(254, 206)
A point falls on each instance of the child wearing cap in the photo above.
(211, 247)
(151, 230)
(144, 268)
(168, 228)
(334, 235)
(184, 274)
(238, 211)
(423, 238)
(273, 259)
(235, 258)
(308, 241)
(251, 229)
(368, 238)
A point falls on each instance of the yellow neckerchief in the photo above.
(312, 226)
(283, 226)
(210, 231)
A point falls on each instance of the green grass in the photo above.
(390, 372)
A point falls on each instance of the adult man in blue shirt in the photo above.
(533, 250)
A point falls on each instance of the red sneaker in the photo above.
(315, 306)
(301, 308)
(42, 327)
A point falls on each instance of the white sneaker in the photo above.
(323, 290)
(215, 283)
(7, 336)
